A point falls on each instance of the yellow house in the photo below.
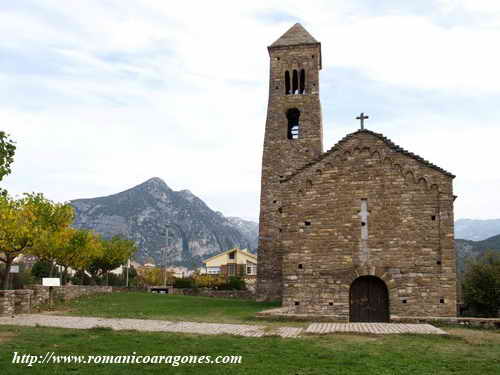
(234, 262)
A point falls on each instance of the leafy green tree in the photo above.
(7, 151)
(116, 252)
(481, 285)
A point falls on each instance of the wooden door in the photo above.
(369, 300)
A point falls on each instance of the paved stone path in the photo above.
(376, 328)
(149, 325)
(213, 328)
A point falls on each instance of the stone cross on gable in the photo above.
(362, 118)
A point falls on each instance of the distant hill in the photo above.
(472, 249)
(476, 230)
(143, 212)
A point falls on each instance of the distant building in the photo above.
(234, 262)
(180, 272)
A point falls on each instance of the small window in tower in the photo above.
(293, 115)
(287, 83)
(295, 82)
(302, 89)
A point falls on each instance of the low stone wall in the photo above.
(468, 321)
(24, 301)
(205, 292)
(7, 302)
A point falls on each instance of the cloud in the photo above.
(104, 95)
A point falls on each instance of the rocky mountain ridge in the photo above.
(151, 211)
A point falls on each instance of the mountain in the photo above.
(143, 214)
(250, 229)
(476, 230)
(472, 249)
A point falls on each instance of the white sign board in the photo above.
(14, 269)
(51, 281)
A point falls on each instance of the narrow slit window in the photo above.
(295, 82)
(287, 83)
(302, 87)
(293, 115)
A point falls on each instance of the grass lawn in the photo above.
(138, 305)
(466, 352)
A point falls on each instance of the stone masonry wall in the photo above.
(24, 301)
(282, 156)
(7, 302)
(409, 228)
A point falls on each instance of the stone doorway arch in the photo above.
(368, 300)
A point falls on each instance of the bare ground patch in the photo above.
(476, 336)
(6, 336)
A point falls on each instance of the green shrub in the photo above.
(81, 278)
(235, 283)
(42, 269)
(481, 286)
(184, 283)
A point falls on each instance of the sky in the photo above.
(102, 95)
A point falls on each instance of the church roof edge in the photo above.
(386, 140)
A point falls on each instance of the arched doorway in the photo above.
(369, 300)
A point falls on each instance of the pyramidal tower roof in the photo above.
(296, 35)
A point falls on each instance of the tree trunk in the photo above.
(51, 269)
(65, 275)
(5, 278)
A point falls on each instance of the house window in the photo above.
(231, 269)
(213, 270)
(232, 255)
(251, 269)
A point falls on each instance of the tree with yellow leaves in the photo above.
(18, 231)
(30, 225)
(53, 222)
(79, 248)
(117, 250)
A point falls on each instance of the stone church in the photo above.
(361, 232)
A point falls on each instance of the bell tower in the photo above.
(293, 137)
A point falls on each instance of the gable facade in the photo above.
(365, 220)
(404, 236)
